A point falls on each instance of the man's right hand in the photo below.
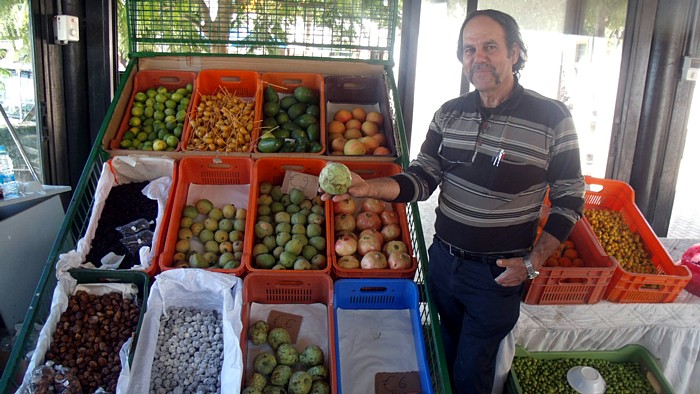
(358, 188)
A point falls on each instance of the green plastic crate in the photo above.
(636, 353)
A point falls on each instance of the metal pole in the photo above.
(13, 133)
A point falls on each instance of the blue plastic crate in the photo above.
(381, 294)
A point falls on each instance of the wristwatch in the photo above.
(531, 272)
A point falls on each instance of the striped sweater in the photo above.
(494, 173)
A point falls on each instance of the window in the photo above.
(17, 88)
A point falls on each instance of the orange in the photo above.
(359, 114)
(565, 262)
(353, 124)
(570, 253)
(336, 127)
(352, 133)
(342, 115)
(381, 151)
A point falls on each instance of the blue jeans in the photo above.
(476, 313)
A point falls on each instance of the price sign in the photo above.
(288, 321)
(298, 180)
(397, 383)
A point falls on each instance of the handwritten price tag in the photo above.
(298, 180)
(397, 383)
(288, 321)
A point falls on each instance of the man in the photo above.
(495, 153)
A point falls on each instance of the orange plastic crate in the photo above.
(147, 79)
(284, 84)
(574, 285)
(633, 287)
(205, 171)
(241, 83)
(269, 288)
(273, 169)
(370, 170)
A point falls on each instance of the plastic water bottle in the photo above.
(7, 174)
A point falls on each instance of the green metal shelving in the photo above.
(340, 30)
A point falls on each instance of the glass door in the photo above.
(579, 69)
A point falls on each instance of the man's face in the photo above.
(486, 59)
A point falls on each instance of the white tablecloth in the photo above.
(670, 331)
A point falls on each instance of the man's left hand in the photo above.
(515, 272)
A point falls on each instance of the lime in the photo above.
(181, 114)
(177, 96)
(152, 136)
(172, 141)
(159, 115)
(169, 111)
(142, 136)
(181, 91)
(140, 97)
(159, 145)
(134, 121)
(125, 143)
(147, 147)
(157, 125)
(189, 87)
(185, 101)
(177, 131)
(150, 102)
(136, 111)
(148, 128)
(159, 106)
(148, 121)
(162, 89)
(162, 133)
(129, 135)
(161, 98)
(169, 119)
(151, 92)
(170, 103)
(148, 112)
(137, 104)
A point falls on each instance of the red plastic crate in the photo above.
(205, 171)
(284, 84)
(241, 83)
(273, 169)
(266, 287)
(147, 79)
(370, 170)
(574, 285)
(634, 287)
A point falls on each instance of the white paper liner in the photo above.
(199, 289)
(126, 169)
(372, 341)
(66, 287)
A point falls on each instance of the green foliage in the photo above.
(256, 26)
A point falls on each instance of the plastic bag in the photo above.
(691, 259)
(134, 227)
(134, 242)
(51, 378)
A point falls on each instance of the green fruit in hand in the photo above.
(335, 178)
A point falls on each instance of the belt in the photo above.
(485, 258)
